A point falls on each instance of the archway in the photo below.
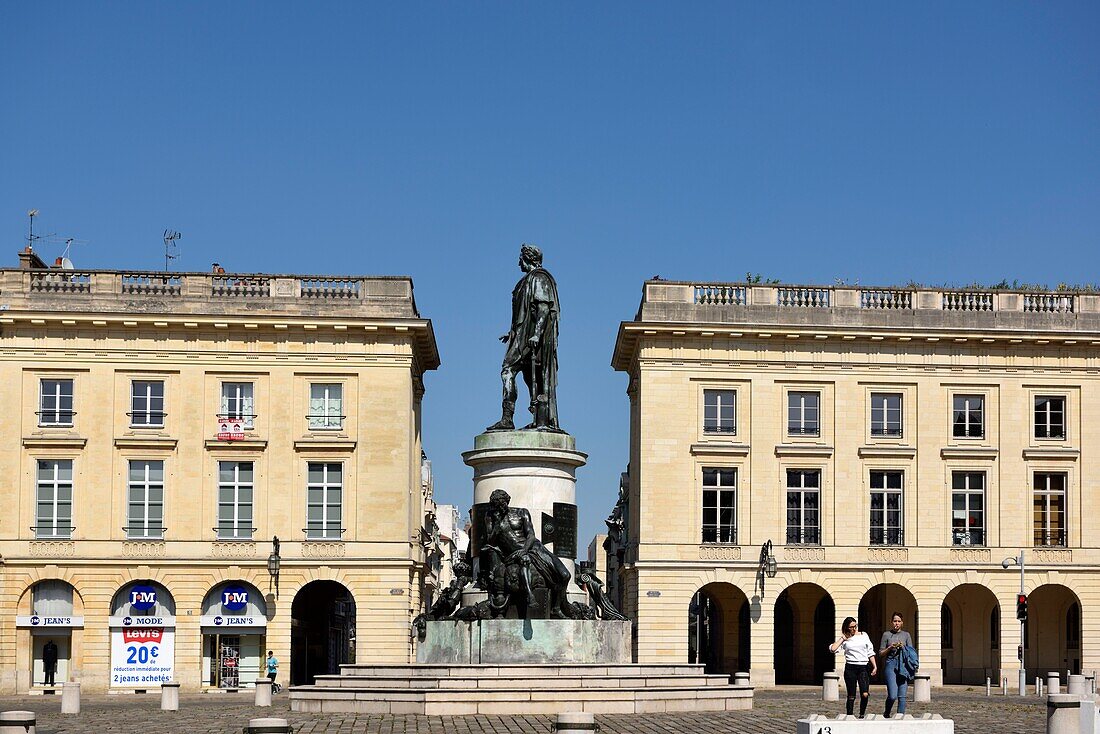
(322, 631)
(718, 629)
(1053, 631)
(805, 624)
(50, 622)
(143, 636)
(877, 606)
(970, 635)
(234, 632)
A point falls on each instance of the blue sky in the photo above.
(874, 142)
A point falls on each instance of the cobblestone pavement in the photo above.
(774, 712)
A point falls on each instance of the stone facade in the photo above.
(356, 347)
(895, 445)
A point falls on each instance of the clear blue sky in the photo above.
(938, 142)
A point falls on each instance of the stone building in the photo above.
(161, 428)
(891, 446)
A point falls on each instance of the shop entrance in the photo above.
(322, 631)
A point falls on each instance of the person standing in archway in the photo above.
(897, 680)
(49, 662)
(859, 663)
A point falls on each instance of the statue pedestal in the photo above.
(538, 469)
(525, 641)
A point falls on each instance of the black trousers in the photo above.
(49, 672)
(857, 676)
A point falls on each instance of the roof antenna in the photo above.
(31, 239)
(170, 246)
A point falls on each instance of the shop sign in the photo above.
(231, 430)
(142, 657)
(233, 621)
(143, 598)
(234, 598)
(41, 620)
(141, 621)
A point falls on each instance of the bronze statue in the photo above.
(598, 600)
(518, 563)
(532, 345)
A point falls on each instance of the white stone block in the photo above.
(900, 724)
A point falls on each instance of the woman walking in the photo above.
(897, 682)
(859, 663)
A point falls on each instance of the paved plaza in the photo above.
(775, 712)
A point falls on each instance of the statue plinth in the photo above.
(538, 469)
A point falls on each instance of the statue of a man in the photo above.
(510, 539)
(532, 345)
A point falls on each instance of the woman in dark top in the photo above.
(897, 685)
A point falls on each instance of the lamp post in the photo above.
(768, 566)
(273, 563)
(1007, 564)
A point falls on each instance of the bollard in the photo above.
(1090, 682)
(922, 688)
(575, 722)
(741, 679)
(267, 726)
(988, 687)
(1004, 686)
(17, 722)
(1052, 683)
(1075, 684)
(263, 691)
(1038, 686)
(1063, 713)
(830, 687)
(170, 696)
(70, 698)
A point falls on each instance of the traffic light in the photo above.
(1021, 607)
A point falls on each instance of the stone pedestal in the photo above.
(1076, 684)
(170, 696)
(830, 687)
(1052, 684)
(537, 469)
(525, 641)
(70, 698)
(263, 692)
(922, 688)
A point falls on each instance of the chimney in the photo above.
(28, 260)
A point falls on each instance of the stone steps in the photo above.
(437, 690)
(520, 700)
(515, 682)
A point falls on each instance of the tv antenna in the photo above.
(31, 238)
(52, 239)
(170, 246)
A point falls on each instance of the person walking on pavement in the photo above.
(49, 662)
(897, 681)
(859, 663)
(273, 671)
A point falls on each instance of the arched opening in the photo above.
(234, 630)
(1053, 631)
(877, 606)
(805, 624)
(322, 631)
(969, 639)
(143, 634)
(718, 629)
(50, 622)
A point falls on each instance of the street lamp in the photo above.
(273, 563)
(768, 566)
(1007, 564)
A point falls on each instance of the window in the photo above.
(237, 403)
(323, 497)
(145, 518)
(54, 514)
(803, 413)
(968, 420)
(719, 505)
(1050, 417)
(720, 411)
(55, 405)
(803, 506)
(147, 404)
(886, 414)
(968, 508)
(235, 500)
(886, 507)
(1049, 517)
(326, 407)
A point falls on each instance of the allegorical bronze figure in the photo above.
(532, 345)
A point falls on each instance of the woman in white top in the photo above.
(859, 662)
